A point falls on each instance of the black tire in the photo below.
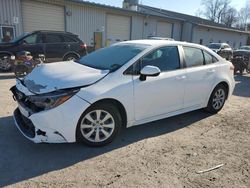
(70, 57)
(20, 70)
(8, 57)
(81, 131)
(211, 107)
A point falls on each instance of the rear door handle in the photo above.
(180, 77)
(210, 71)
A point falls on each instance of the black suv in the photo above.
(55, 45)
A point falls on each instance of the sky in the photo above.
(183, 6)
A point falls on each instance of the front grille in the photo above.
(25, 125)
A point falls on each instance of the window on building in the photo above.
(166, 59)
(193, 57)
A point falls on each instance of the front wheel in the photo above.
(217, 99)
(99, 125)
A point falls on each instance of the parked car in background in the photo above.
(241, 59)
(55, 45)
(243, 51)
(223, 49)
(244, 48)
(126, 84)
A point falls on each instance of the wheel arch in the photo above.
(225, 84)
(117, 104)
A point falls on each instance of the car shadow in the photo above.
(242, 86)
(21, 159)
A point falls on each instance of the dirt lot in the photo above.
(166, 153)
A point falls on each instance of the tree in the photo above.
(244, 17)
(215, 9)
(229, 17)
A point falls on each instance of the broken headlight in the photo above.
(53, 99)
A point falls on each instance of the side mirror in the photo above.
(23, 42)
(149, 71)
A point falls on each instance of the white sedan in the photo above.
(126, 84)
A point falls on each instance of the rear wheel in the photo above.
(217, 99)
(71, 57)
(99, 125)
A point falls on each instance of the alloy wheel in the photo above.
(97, 126)
(219, 99)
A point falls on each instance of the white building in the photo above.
(100, 25)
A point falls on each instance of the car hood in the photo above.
(46, 78)
(5, 45)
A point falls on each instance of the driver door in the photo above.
(32, 43)
(162, 94)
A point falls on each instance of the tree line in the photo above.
(221, 11)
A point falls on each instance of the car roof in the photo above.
(52, 31)
(156, 43)
(219, 43)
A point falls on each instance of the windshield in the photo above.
(19, 37)
(214, 46)
(113, 57)
(245, 47)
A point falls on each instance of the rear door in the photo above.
(55, 47)
(200, 76)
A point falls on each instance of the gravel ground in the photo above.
(165, 153)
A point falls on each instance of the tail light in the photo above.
(83, 46)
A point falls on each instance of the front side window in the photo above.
(166, 59)
(31, 39)
(193, 57)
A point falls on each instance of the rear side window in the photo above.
(166, 59)
(53, 38)
(193, 57)
(69, 39)
(209, 58)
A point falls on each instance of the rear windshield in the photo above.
(214, 46)
(113, 57)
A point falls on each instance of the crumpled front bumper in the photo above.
(57, 125)
(27, 128)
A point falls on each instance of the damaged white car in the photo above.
(127, 84)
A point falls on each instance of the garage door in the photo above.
(42, 16)
(118, 28)
(164, 29)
